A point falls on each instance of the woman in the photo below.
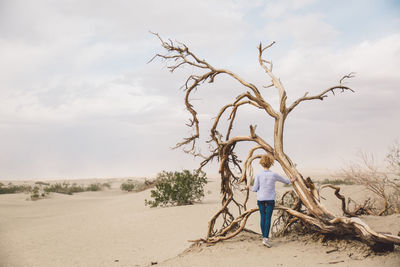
(264, 185)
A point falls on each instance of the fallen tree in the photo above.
(235, 173)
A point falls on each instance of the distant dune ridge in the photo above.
(115, 228)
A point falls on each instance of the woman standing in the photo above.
(264, 185)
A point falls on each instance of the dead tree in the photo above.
(313, 214)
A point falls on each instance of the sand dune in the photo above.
(246, 250)
(114, 228)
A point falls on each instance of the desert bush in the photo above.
(38, 192)
(382, 183)
(42, 189)
(137, 185)
(128, 186)
(337, 181)
(393, 159)
(94, 187)
(35, 193)
(66, 188)
(144, 185)
(148, 183)
(12, 189)
(42, 183)
(177, 188)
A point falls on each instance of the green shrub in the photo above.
(128, 186)
(94, 187)
(177, 188)
(35, 195)
(12, 189)
(64, 188)
(38, 192)
(41, 189)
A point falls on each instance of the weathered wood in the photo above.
(316, 215)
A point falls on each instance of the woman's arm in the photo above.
(256, 185)
(282, 179)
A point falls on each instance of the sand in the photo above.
(115, 228)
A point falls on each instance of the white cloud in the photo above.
(67, 100)
(279, 8)
(75, 78)
(300, 30)
(351, 121)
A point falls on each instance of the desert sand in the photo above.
(115, 228)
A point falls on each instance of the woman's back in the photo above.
(264, 184)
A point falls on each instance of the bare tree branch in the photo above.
(324, 93)
(231, 169)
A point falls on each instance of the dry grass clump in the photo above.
(383, 183)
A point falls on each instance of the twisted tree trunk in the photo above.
(316, 215)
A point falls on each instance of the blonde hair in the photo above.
(267, 160)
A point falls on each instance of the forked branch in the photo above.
(340, 87)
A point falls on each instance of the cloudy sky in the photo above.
(78, 98)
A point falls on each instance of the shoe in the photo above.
(266, 242)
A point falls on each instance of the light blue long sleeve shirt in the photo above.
(264, 184)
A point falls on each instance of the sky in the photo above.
(78, 98)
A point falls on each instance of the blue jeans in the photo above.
(266, 207)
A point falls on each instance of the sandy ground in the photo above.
(115, 228)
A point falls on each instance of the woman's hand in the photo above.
(293, 179)
(248, 187)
